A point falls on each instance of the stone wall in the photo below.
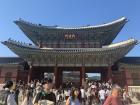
(8, 72)
(131, 73)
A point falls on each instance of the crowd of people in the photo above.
(44, 93)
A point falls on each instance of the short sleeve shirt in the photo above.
(45, 96)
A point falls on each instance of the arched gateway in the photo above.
(69, 53)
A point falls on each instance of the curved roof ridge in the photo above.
(20, 43)
(122, 43)
(83, 27)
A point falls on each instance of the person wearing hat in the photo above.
(46, 97)
(7, 95)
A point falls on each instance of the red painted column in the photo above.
(30, 73)
(124, 75)
(57, 79)
(82, 76)
(109, 75)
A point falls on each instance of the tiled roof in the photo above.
(82, 27)
(130, 60)
(59, 55)
(10, 60)
(104, 33)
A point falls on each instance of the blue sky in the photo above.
(68, 13)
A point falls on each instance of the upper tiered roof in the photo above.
(104, 33)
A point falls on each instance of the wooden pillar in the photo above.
(30, 73)
(124, 74)
(109, 74)
(82, 77)
(57, 79)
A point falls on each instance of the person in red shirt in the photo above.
(114, 98)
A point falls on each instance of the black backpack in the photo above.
(3, 97)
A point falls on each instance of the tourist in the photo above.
(88, 95)
(67, 93)
(102, 95)
(28, 97)
(16, 94)
(94, 95)
(126, 97)
(75, 98)
(6, 96)
(82, 90)
(59, 97)
(108, 92)
(114, 98)
(46, 97)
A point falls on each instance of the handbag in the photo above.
(45, 102)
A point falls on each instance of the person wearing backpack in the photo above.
(46, 97)
(6, 97)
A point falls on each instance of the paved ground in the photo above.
(136, 104)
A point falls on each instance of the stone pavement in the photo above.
(135, 101)
(136, 104)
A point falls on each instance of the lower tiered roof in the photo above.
(10, 60)
(107, 55)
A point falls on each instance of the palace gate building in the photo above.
(69, 53)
